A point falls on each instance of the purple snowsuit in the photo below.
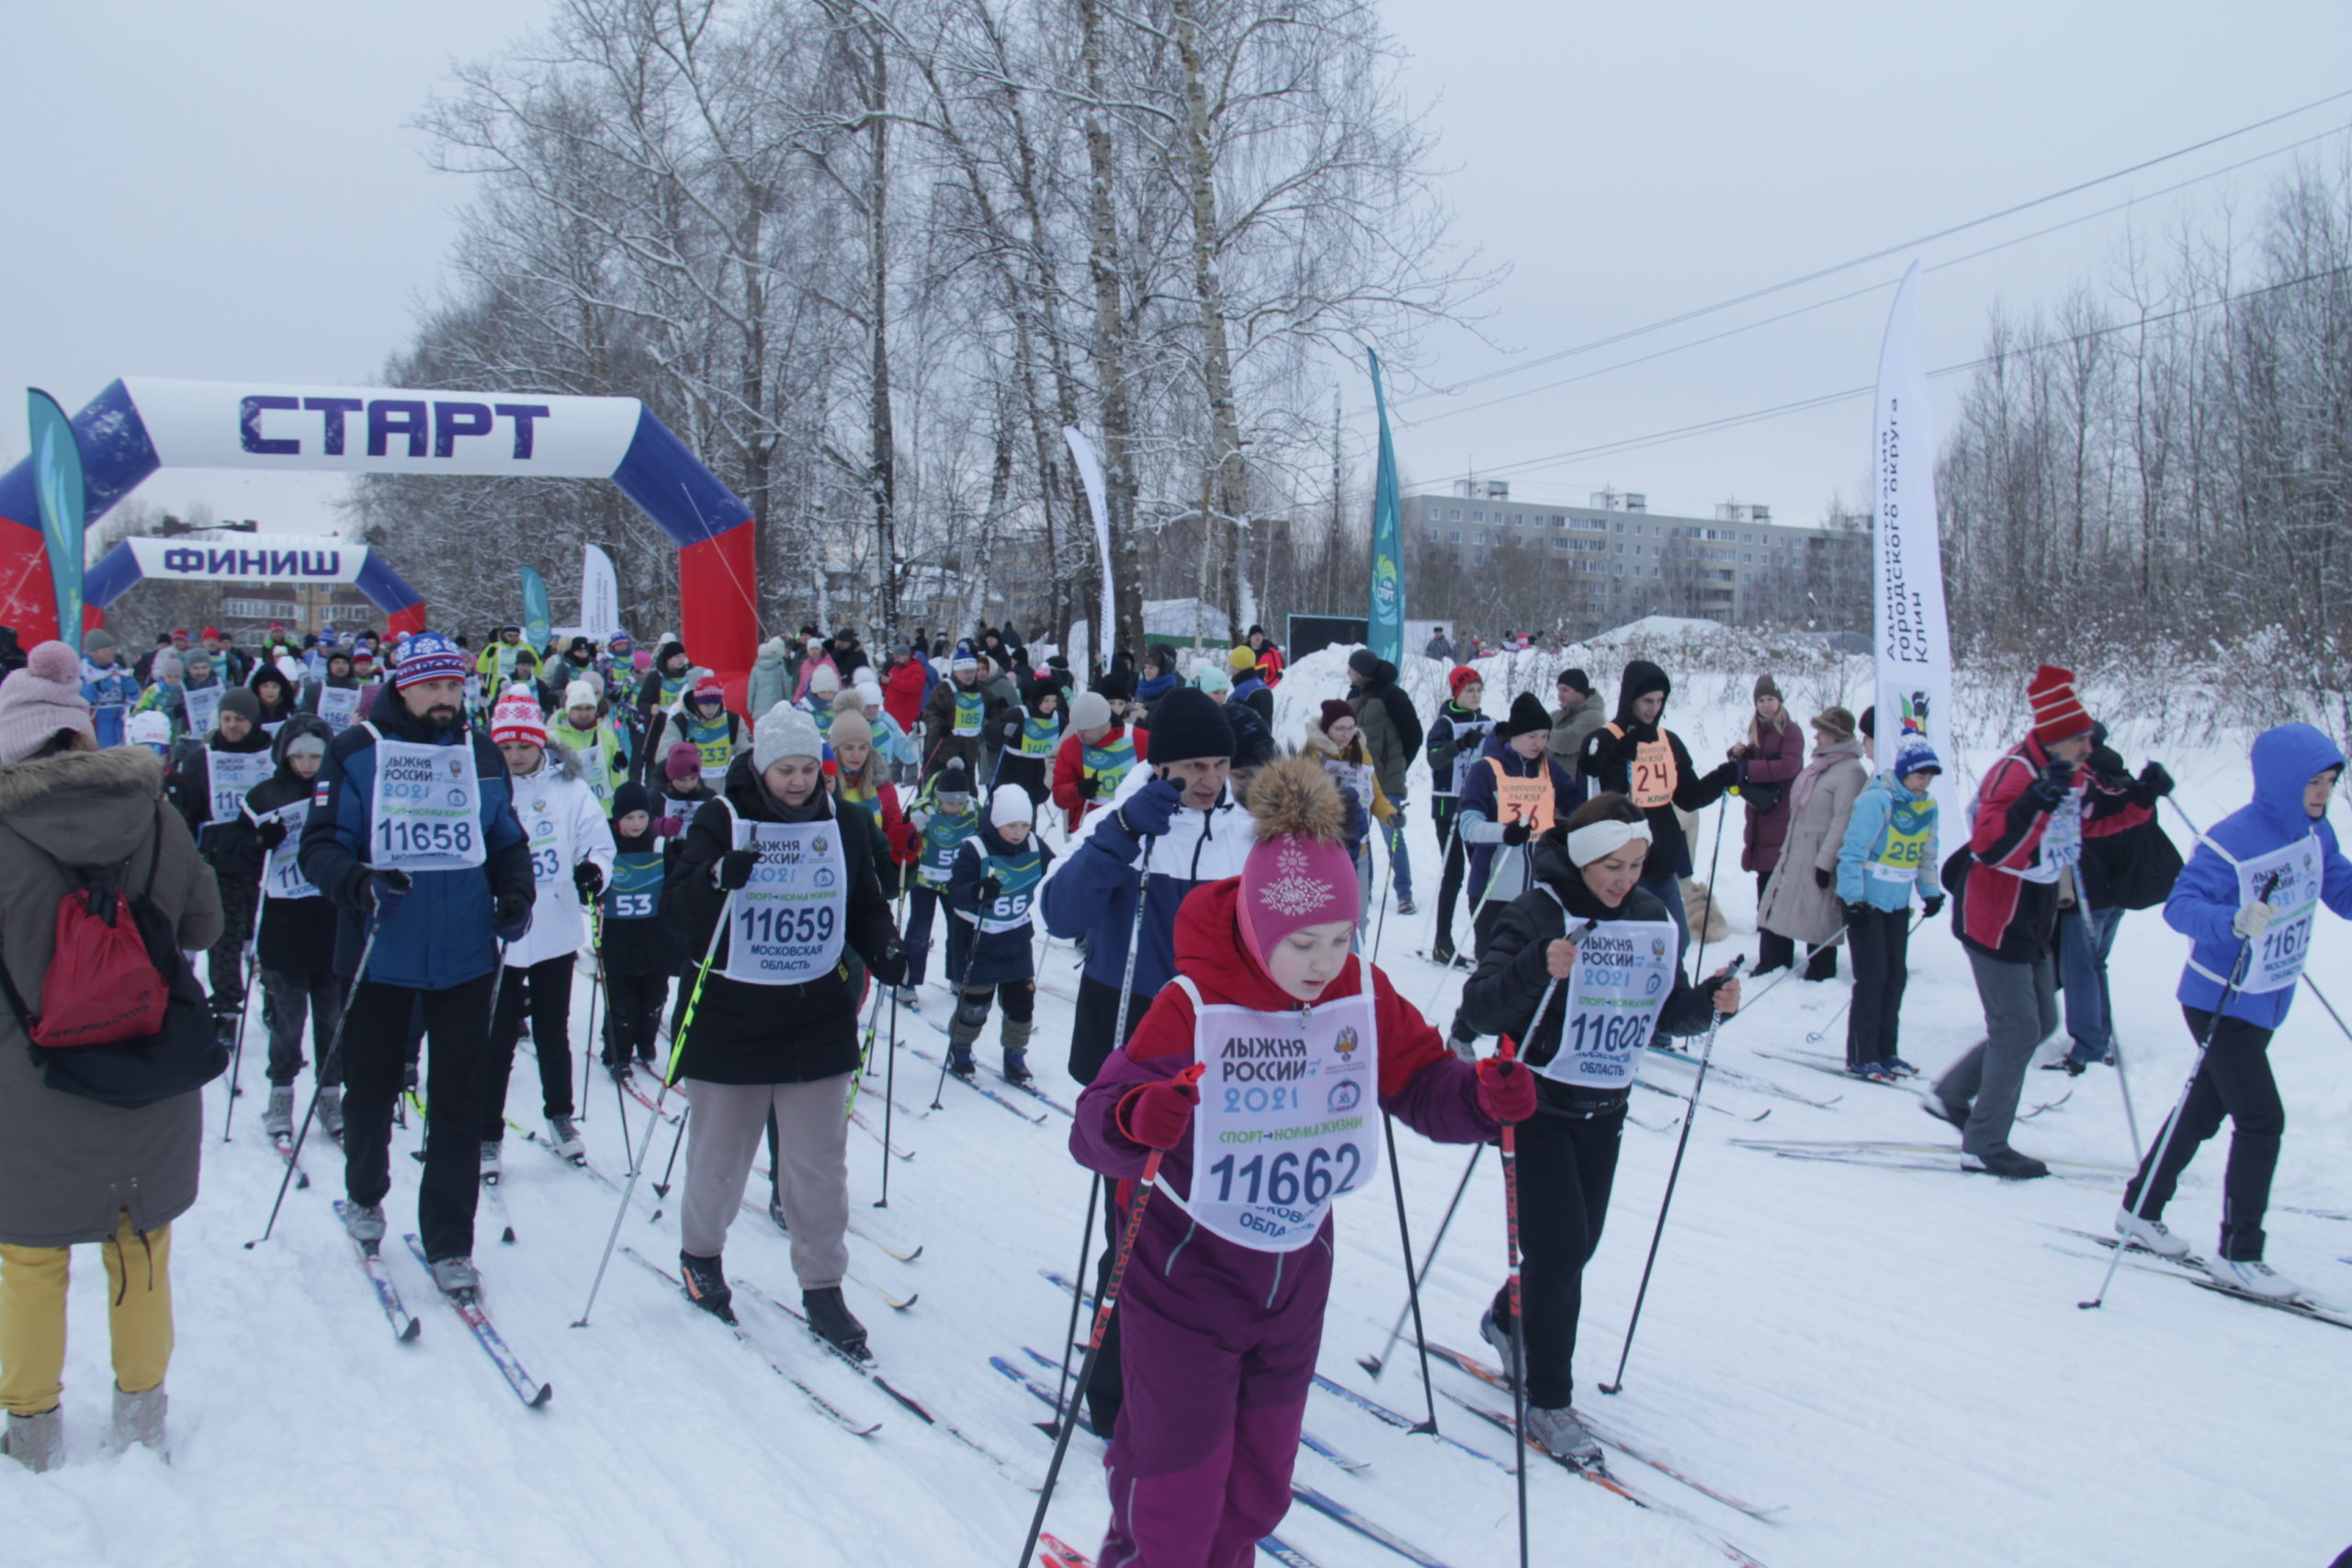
(1219, 1341)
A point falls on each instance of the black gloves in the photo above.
(1824, 880)
(512, 916)
(890, 969)
(1856, 910)
(1089, 786)
(1517, 833)
(589, 878)
(1724, 775)
(735, 868)
(2055, 782)
(271, 833)
(2155, 785)
(1932, 905)
(383, 889)
(991, 889)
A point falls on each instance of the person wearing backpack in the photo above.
(73, 1170)
(436, 874)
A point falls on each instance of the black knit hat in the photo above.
(1365, 662)
(1576, 679)
(631, 797)
(1188, 724)
(1527, 715)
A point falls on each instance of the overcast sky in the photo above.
(229, 191)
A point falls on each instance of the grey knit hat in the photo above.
(785, 731)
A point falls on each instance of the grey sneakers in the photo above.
(1562, 1436)
(364, 1222)
(455, 1276)
(566, 1138)
(278, 1117)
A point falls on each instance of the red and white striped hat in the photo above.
(2058, 711)
(516, 717)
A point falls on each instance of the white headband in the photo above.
(1594, 840)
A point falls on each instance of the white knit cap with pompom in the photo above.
(43, 698)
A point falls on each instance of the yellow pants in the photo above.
(32, 1317)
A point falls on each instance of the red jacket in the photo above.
(1069, 767)
(2005, 915)
(1269, 665)
(902, 695)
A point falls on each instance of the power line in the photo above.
(1825, 400)
(1881, 255)
(1872, 288)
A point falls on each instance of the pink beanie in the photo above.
(40, 699)
(1298, 873)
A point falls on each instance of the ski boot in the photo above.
(1876, 1072)
(139, 1418)
(1016, 1053)
(456, 1276)
(224, 1029)
(2255, 1278)
(37, 1442)
(490, 1167)
(910, 997)
(829, 1319)
(366, 1223)
(567, 1140)
(1899, 1067)
(1497, 1333)
(331, 1110)
(2148, 1233)
(707, 1286)
(959, 1061)
(1561, 1435)
(277, 1116)
(2004, 1162)
(1406, 906)
(775, 1215)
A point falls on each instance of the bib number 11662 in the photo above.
(1288, 1179)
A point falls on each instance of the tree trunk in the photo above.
(1110, 342)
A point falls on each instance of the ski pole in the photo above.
(1387, 878)
(889, 1098)
(670, 1077)
(1427, 1427)
(2147, 1172)
(1063, 1403)
(1509, 1052)
(1714, 862)
(237, 1058)
(2123, 1082)
(1697, 1087)
(334, 1054)
(1146, 1185)
(1376, 1364)
(1814, 1036)
(595, 987)
(677, 1141)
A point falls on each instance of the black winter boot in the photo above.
(828, 1316)
(706, 1287)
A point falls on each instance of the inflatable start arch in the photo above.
(140, 425)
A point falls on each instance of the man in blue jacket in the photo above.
(1180, 810)
(412, 834)
(2248, 899)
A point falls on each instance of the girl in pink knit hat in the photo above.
(1303, 1044)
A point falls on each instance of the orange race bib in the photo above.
(1522, 800)
(1651, 778)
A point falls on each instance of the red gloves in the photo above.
(1158, 1115)
(1506, 1090)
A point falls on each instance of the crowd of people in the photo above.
(740, 867)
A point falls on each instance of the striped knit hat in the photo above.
(2058, 711)
(429, 656)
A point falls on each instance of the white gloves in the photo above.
(2253, 920)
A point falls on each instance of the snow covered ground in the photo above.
(1895, 1357)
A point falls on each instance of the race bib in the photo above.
(203, 711)
(338, 705)
(1039, 737)
(635, 891)
(1288, 1119)
(282, 878)
(426, 815)
(1523, 800)
(1625, 972)
(970, 709)
(1019, 876)
(230, 774)
(1354, 779)
(788, 918)
(942, 837)
(1652, 775)
(2293, 874)
(1468, 737)
(1108, 764)
(684, 810)
(546, 835)
(1904, 848)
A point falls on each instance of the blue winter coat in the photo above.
(1867, 831)
(1003, 955)
(2205, 900)
(440, 935)
(1091, 891)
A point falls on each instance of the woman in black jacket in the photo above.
(769, 1032)
(1607, 989)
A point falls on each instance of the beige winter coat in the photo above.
(70, 1166)
(1821, 800)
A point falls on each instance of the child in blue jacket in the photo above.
(1889, 853)
(2248, 899)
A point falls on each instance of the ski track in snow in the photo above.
(1895, 1356)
